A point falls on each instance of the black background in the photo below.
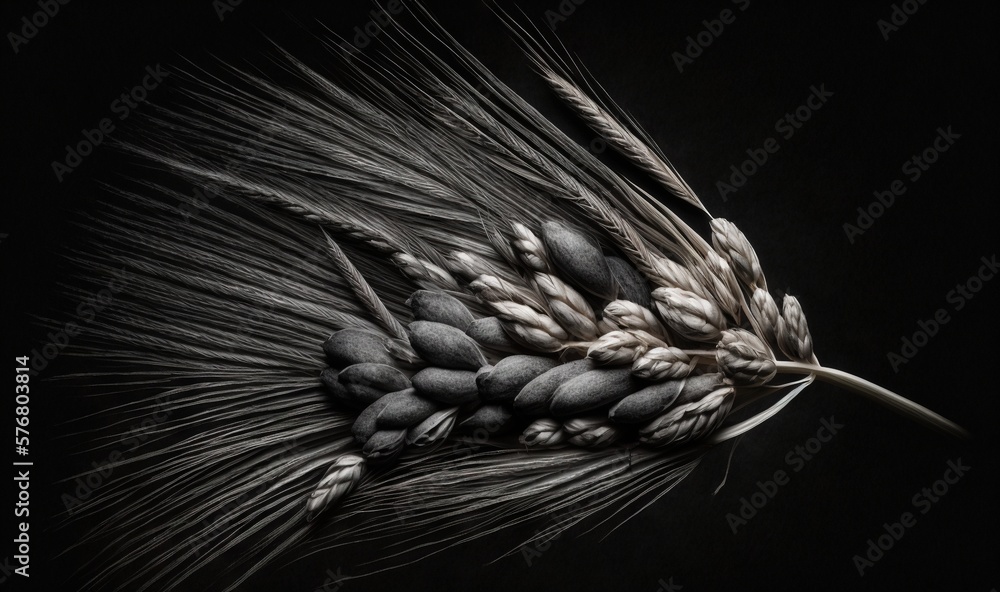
(889, 98)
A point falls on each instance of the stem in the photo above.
(878, 394)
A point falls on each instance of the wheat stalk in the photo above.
(433, 164)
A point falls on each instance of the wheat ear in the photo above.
(364, 292)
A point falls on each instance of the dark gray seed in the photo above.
(439, 307)
(404, 409)
(362, 395)
(591, 390)
(535, 397)
(510, 375)
(580, 259)
(647, 403)
(445, 346)
(697, 387)
(329, 378)
(364, 425)
(381, 377)
(384, 445)
(489, 332)
(452, 387)
(633, 285)
(492, 418)
(354, 346)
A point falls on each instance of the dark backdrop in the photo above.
(892, 91)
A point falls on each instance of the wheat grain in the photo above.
(445, 346)
(579, 259)
(506, 379)
(488, 332)
(536, 396)
(591, 390)
(354, 346)
(403, 409)
(632, 285)
(444, 385)
(439, 307)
